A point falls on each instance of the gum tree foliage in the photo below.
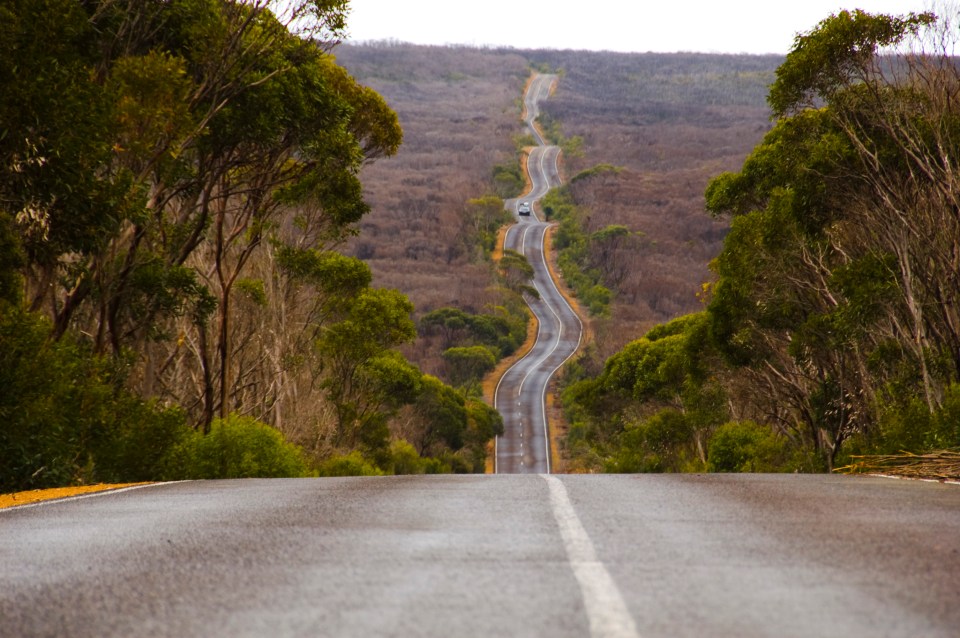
(468, 364)
(654, 406)
(175, 177)
(360, 373)
(150, 155)
(834, 318)
(837, 285)
(501, 331)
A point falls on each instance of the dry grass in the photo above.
(941, 465)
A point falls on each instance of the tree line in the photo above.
(176, 178)
(833, 324)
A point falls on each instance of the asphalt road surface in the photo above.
(518, 555)
(521, 395)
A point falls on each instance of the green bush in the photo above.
(745, 446)
(238, 447)
(63, 417)
(136, 445)
(352, 464)
(404, 459)
(508, 180)
(469, 364)
(909, 425)
(664, 442)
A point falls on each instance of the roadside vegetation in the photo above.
(217, 260)
(177, 184)
(830, 330)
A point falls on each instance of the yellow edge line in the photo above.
(556, 425)
(35, 496)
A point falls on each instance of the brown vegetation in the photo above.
(459, 109)
(670, 122)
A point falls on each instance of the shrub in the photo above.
(745, 446)
(468, 364)
(906, 424)
(238, 447)
(404, 459)
(352, 464)
(63, 418)
(136, 445)
(665, 442)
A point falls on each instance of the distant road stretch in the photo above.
(557, 556)
(521, 396)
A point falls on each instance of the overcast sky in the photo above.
(722, 26)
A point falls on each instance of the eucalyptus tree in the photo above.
(837, 284)
(152, 152)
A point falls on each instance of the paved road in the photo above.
(521, 396)
(520, 555)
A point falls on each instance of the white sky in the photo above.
(714, 26)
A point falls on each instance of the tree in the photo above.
(174, 179)
(469, 364)
(835, 282)
(354, 362)
(158, 147)
(656, 403)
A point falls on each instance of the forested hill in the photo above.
(832, 329)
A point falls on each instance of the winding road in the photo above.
(521, 394)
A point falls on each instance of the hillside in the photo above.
(459, 110)
(669, 121)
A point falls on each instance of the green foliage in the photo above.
(516, 271)
(405, 460)
(484, 423)
(136, 445)
(504, 330)
(908, 425)
(329, 272)
(655, 404)
(508, 180)
(363, 379)
(825, 60)
(665, 442)
(553, 132)
(575, 251)
(595, 171)
(830, 294)
(151, 153)
(65, 420)
(237, 447)
(11, 258)
(352, 464)
(444, 412)
(486, 215)
(469, 364)
(745, 446)
(376, 320)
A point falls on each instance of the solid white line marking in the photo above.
(602, 599)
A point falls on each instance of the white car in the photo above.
(524, 208)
